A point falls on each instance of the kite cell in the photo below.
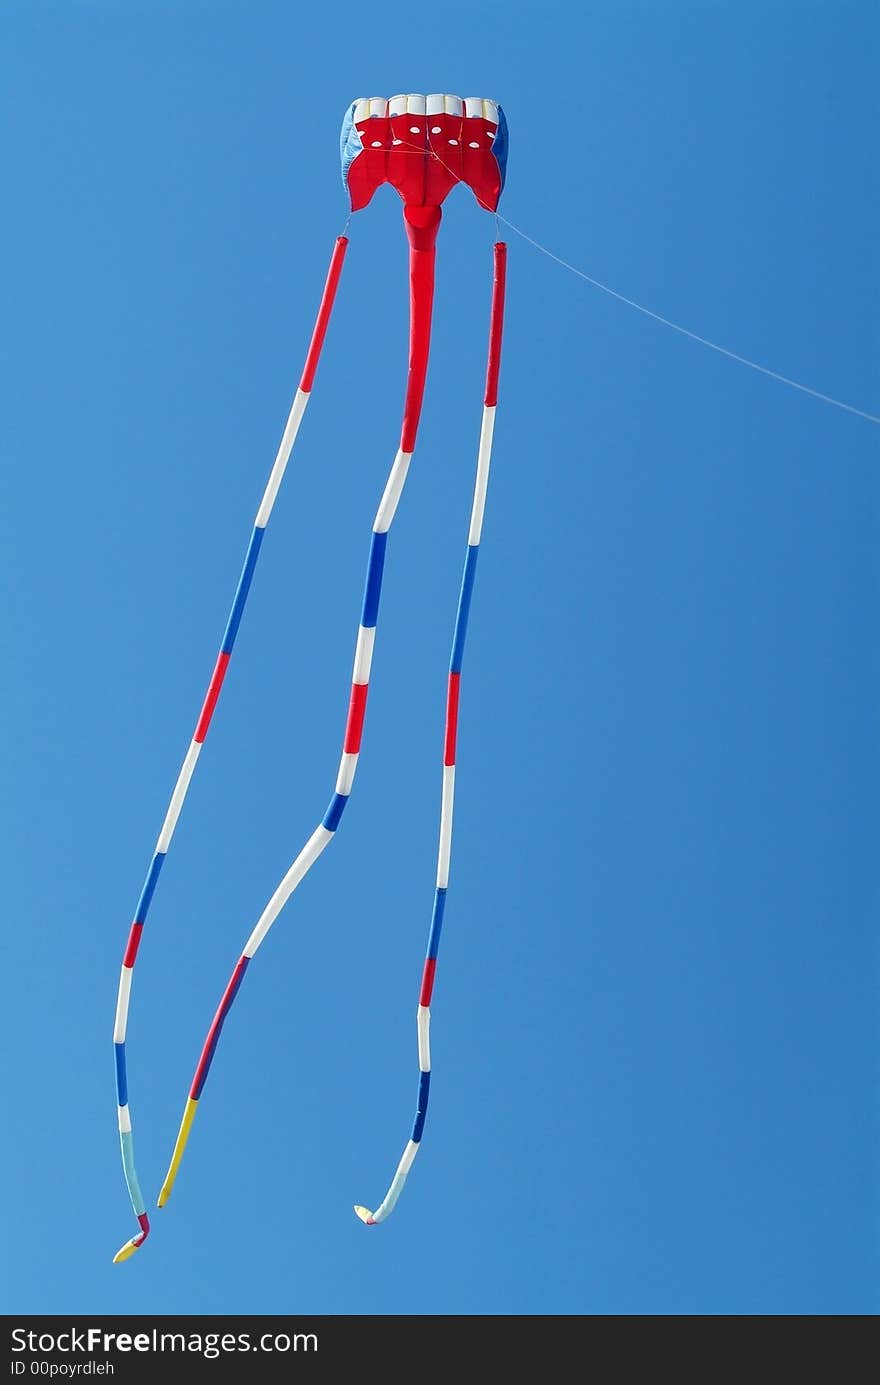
(422, 146)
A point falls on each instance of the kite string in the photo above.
(665, 321)
(686, 332)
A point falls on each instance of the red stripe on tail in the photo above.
(323, 318)
(211, 696)
(496, 323)
(451, 718)
(354, 727)
(214, 1032)
(134, 940)
(428, 981)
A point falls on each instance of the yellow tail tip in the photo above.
(189, 1115)
(365, 1215)
(127, 1250)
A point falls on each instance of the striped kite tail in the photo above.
(184, 778)
(423, 1014)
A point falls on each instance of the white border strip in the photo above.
(345, 777)
(484, 458)
(391, 494)
(285, 447)
(423, 1023)
(180, 789)
(363, 654)
(446, 806)
(304, 861)
(122, 998)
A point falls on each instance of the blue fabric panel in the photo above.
(373, 588)
(421, 1113)
(464, 607)
(436, 923)
(335, 811)
(241, 591)
(149, 886)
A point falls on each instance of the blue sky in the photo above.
(655, 1024)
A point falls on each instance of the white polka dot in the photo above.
(473, 144)
(414, 129)
(453, 141)
(436, 130)
(397, 141)
(377, 144)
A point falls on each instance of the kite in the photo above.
(422, 146)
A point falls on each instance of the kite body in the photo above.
(421, 146)
(459, 141)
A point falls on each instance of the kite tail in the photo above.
(421, 224)
(423, 1014)
(285, 448)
